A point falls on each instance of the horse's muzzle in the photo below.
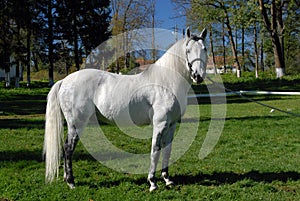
(197, 78)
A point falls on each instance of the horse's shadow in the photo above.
(214, 179)
(221, 178)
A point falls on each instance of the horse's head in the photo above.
(196, 55)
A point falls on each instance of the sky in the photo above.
(166, 15)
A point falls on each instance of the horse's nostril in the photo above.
(199, 79)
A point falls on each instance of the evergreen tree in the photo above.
(84, 25)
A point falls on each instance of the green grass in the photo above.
(256, 158)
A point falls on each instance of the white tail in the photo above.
(53, 133)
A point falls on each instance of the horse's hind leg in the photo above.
(166, 152)
(69, 147)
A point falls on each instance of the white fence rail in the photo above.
(246, 93)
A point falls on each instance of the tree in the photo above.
(30, 12)
(276, 27)
(84, 25)
(292, 37)
(128, 15)
(5, 37)
(33, 30)
(211, 11)
(50, 38)
(45, 33)
(95, 24)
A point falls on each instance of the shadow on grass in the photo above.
(221, 178)
(22, 123)
(26, 155)
(215, 179)
(23, 155)
(255, 118)
(79, 154)
(23, 107)
(108, 183)
(233, 99)
(37, 155)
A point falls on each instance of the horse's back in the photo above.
(87, 76)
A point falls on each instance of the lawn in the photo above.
(256, 158)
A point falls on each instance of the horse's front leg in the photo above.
(69, 148)
(160, 127)
(166, 153)
(155, 152)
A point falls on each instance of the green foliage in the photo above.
(242, 17)
(256, 158)
(45, 32)
(92, 20)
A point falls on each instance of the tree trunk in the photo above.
(234, 51)
(262, 65)
(15, 60)
(28, 56)
(35, 62)
(276, 29)
(28, 41)
(17, 78)
(256, 51)
(243, 48)
(212, 49)
(7, 79)
(7, 67)
(7, 70)
(153, 34)
(50, 41)
(224, 48)
(76, 51)
(233, 47)
(124, 33)
(277, 46)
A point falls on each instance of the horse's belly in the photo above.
(132, 114)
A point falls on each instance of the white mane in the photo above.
(174, 57)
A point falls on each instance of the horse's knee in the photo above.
(156, 148)
(71, 142)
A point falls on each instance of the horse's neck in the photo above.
(174, 60)
(170, 70)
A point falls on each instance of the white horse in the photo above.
(157, 95)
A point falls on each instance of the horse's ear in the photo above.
(203, 34)
(188, 32)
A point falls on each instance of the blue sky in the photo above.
(165, 13)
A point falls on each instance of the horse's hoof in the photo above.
(169, 183)
(153, 185)
(166, 178)
(153, 188)
(72, 186)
